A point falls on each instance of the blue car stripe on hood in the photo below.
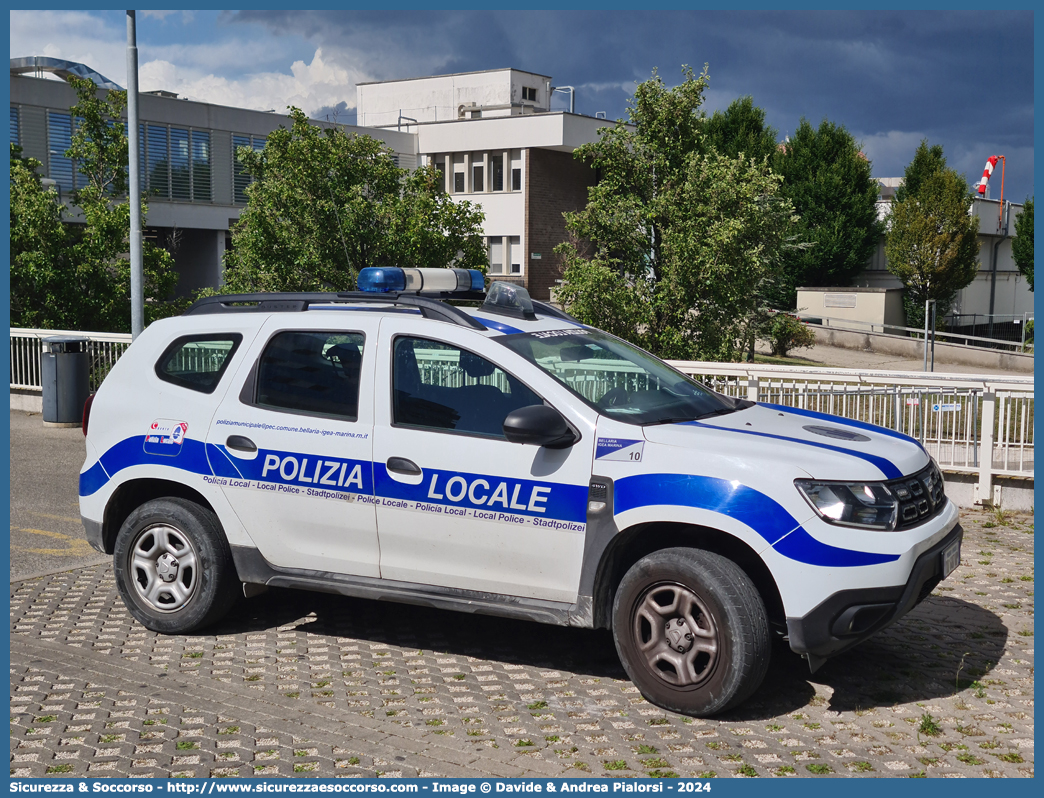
(748, 506)
(847, 422)
(887, 467)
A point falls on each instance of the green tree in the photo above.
(933, 243)
(325, 204)
(926, 161)
(1022, 244)
(830, 183)
(677, 242)
(76, 275)
(39, 254)
(739, 129)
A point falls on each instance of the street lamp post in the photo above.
(134, 180)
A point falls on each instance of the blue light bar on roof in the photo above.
(380, 281)
(421, 281)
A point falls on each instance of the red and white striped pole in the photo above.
(991, 163)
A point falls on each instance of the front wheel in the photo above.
(691, 631)
(173, 566)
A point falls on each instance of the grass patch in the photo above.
(658, 722)
(186, 745)
(538, 705)
(59, 768)
(1014, 757)
(929, 726)
(662, 774)
(192, 655)
(616, 764)
(786, 770)
(862, 767)
(45, 719)
(524, 742)
(553, 738)
(748, 771)
(229, 730)
(434, 722)
(969, 759)
(459, 676)
(818, 769)
(646, 749)
(655, 762)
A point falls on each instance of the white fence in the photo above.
(27, 346)
(973, 424)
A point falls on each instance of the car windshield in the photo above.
(617, 379)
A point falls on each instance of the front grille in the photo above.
(921, 496)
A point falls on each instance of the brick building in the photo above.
(498, 144)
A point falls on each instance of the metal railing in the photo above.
(27, 346)
(973, 424)
(981, 425)
(1014, 343)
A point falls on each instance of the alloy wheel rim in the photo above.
(164, 568)
(676, 635)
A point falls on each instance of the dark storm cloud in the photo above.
(961, 79)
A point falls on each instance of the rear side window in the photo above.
(197, 362)
(310, 372)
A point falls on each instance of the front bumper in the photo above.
(848, 617)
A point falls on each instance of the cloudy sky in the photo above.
(960, 79)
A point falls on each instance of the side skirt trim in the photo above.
(253, 568)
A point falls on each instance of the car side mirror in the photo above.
(539, 425)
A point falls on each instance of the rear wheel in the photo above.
(173, 566)
(691, 631)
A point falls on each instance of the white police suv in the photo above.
(499, 457)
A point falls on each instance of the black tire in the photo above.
(691, 631)
(173, 566)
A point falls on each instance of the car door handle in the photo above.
(240, 443)
(400, 465)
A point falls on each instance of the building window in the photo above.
(180, 177)
(476, 178)
(201, 166)
(516, 179)
(496, 255)
(240, 179)
(59, 139)
(157, 164)
(514, 255)
(440, 167)
(528, 94)
(14, 126)
(458, 182)
(496, 175)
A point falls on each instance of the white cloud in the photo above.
(74, 36)
(308, 86)
(160, 15)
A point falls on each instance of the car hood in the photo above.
(826, 447)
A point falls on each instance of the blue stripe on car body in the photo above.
(748, 506)
(847, 422)
(887, 467)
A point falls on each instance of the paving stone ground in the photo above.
(306, 684)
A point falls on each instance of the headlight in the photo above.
(869, 505)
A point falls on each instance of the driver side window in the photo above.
(442, 387)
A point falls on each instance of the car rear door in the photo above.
(291, 443)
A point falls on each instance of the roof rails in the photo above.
(431, 307)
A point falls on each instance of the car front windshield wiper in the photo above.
(721, 411)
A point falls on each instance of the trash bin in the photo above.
(66, 371)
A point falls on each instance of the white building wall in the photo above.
(497, 92)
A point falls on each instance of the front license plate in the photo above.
(951, 558)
